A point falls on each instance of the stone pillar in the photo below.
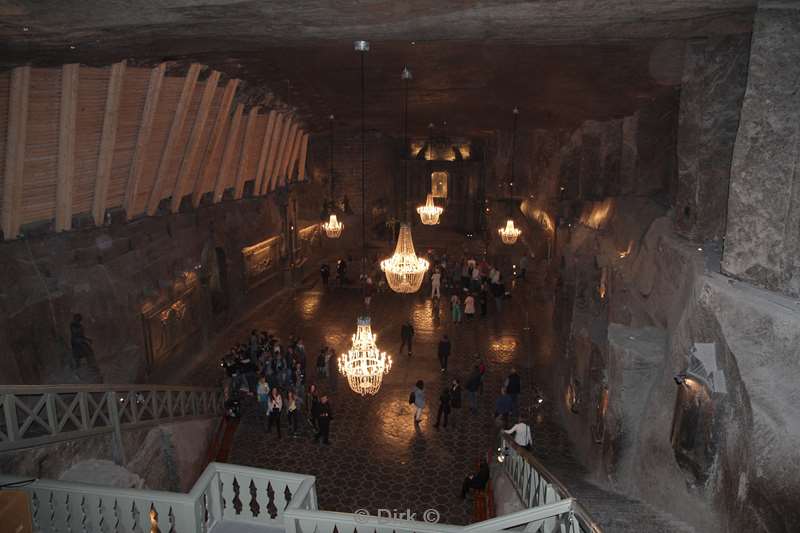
(714, 78)
(762, 243)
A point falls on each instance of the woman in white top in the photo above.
(274, 406)
(522, 434)
(469, 306)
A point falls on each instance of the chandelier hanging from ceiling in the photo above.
(364, 364)
(404, 270)
(430, 212)
(332, 228)
(509, 234)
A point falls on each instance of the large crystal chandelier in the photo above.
(404, 270)
(364, 364)
(509, 234)
(430, 212)
(333, 228)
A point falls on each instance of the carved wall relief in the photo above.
(261, 261)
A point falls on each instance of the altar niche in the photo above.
(693, 428)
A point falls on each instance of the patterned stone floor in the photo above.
(377, 459)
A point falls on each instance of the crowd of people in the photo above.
(275, 373)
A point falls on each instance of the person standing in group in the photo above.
(274, 405)
(325, 274)
(263, 395)
(455, 399)
(476, 481)
(444, 407)
(312, 399)
(513, 387)
(325, 416)
(419, 401)
(455, 308)
(469, 306)
(406, 336)
(476, 279)
(436, 281)
(292, 410)
(443, 352)
(472, 385)
(322, 369)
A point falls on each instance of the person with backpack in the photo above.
(417, 398)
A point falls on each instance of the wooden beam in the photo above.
(298, 138)
(290, 138)
(302, 159)
(287, 127)
(227, 155)
(192, 154)
(217, 142)
(175, 132)
(262, 158)
(107, 141)
(15, 151)
(272, 159)
(65, 174)
(244, 159)
(143, 139)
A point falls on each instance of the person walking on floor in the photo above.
(406, 336)
(469, 306)
(444, 352)
(523, 435)
(472, 385)
(419, 401)
(436, 281)
(455, 308)
(292, 411)
(444, 407)
(325, 274)
(502, 408)
(513, 387)
(455, 399)
(313, 406)
(325, 417)
(274, 404)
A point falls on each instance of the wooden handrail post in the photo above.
(113, 414)
(84, 408)
(10, 410)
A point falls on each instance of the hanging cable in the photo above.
(513, 154)
(333, 176)
(406, 77)
(363, 160)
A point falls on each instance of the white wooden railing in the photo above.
(34, 415)
(538, 488)
(222, 493)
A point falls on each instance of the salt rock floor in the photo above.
(377, 459)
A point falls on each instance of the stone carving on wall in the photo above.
(167, 325)
(261, 261)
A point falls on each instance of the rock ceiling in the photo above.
(560, 61)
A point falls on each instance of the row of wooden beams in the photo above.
(264, 152)
(287, 153)
(216, 143)
(108, 141)
(175, 132)
(301, 170)
(192, 153)
(244, 159)
(68, 114)
(277, 134)
(143, 139)
(15, 151)
(227, 155)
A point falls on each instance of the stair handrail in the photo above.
(38, 415)
(586, 522)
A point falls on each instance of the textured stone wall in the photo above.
(113, 274)
(714, 78)
(763, 233)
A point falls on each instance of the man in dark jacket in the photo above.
(476, 481)
(503, 408)
(444, 352)
(444, 407)
(406, 336)
(324, 421)
(472, 385)
(513, 388)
